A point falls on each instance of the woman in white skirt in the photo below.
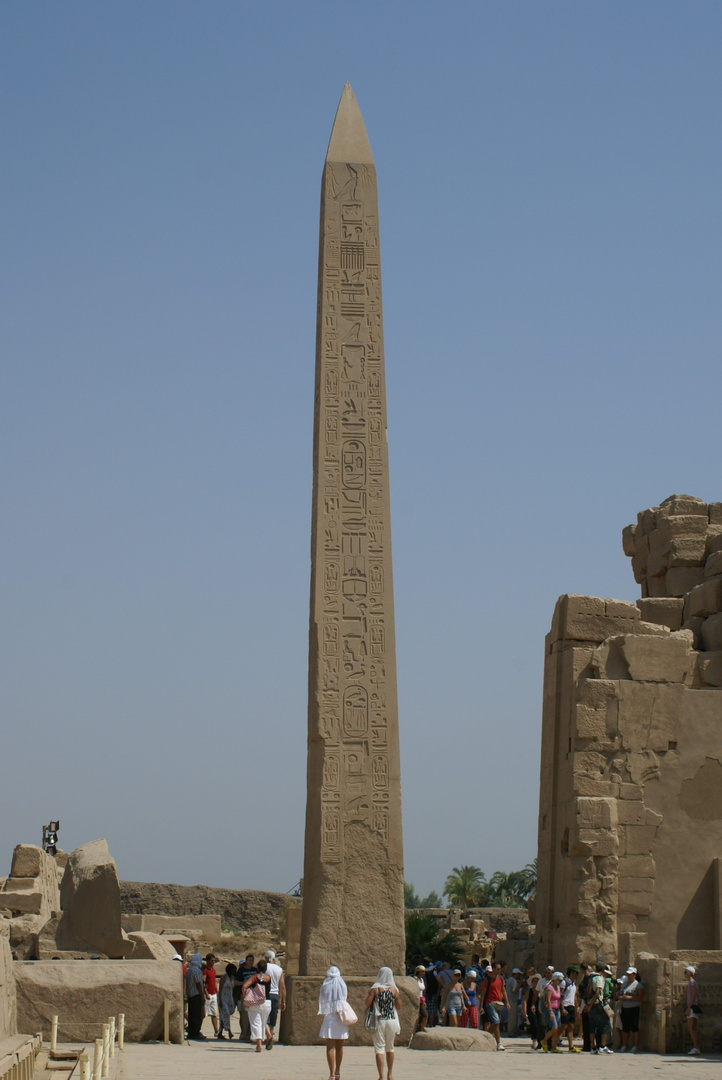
(257, 1004)
(331, 998)
(386, 1000)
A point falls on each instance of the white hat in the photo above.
(270, 955)
(631, 971)
(557, 975)
(689, 968)
(517, 971)
(550, 967)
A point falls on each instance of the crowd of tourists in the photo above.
(580, 1005)
(256, 990)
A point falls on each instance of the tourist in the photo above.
(196, 994)
(630, 998)
(385, 1000)
(470, 1016)
(512, 993)
(552, 1015)
(693, 1010)
(331, 998)
(446, 978)
(569, 1005)
(423, 1017)
(585, 993)
(432, 994)
(493, 999)
(227, 1004)
(209, 978)
(277, 993)
(454, 999)
(530, 1011)
(599, 1023)
(245, 970)
(257, 1004)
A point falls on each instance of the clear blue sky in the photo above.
(549, 181)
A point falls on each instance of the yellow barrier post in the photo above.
(166, 1021)
(84, 1067)
(54, 1034)
(111, 1021)
(121, 1030)
(105, 1070)
(98, 1059)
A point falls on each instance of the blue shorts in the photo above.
(551, 1017)
(492, 1015)
(454, 1010)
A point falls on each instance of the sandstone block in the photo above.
(713, 565)
(662, 610)
(630, 791)
(656, 586)
(28, 861)
(709, 665)
(659, 659)
(639, 866)
(640, 557)
(596, 813)
(590, 723)
(150, 946)
(443, 1038)
(20, 899)
(715, 513)
(631, 813)
(595, 788)
(640, 840)
(585, 618)
(680, 579)
(636, 903)
(714, 538)
(704, 599)
(683, 526)
(695, 625)
(649, 719)
(628, 544)
(711, 633)
(658, 563)
(84, 995)
(686, 551)
(90, 901)
(595, 842)
(683, 505)
(646, 521)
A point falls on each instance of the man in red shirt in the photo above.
(209, 978)
(493, 998)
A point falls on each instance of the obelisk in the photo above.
(353, 906)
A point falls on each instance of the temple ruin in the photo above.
(630, 809)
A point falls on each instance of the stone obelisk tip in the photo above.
(349, 141)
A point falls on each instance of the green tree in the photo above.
(464, 886)
(411, 898)
(433, 900)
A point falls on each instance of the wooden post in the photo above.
(54, 1034)
(105, 1071)
(166, 1021)
(84, 1067)
(111, 1021)
(98, 1059)
(121, 1030)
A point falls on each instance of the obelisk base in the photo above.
(300, 1022)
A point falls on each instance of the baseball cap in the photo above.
(631, 971)
(516, 971)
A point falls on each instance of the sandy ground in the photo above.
(214, 1059)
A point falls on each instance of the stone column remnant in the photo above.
(353, 913)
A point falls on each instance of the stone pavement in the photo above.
(211, 1060)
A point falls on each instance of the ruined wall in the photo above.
(8, 1007)
(630, 822)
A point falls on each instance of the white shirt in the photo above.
(275, 972)
(570, 994)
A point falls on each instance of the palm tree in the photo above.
(423, 938)
(464, 886)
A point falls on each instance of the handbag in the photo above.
(370, 1018)
(346, 1014)
(254, 995)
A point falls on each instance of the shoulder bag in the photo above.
(346, 1014)
(255, 994)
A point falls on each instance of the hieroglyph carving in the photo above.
(351, 514)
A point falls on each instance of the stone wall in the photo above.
(247, 911)
(630, 815)
(8, 1009)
